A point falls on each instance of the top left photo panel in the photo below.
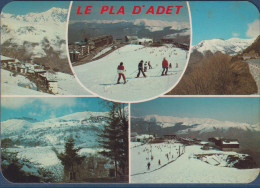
(33, 50)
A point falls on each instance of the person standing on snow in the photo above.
(145, 67)
(140, 69)
(164, 66)
(120, 71)
(149, 64)
(148, 165)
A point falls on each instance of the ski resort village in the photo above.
(39, 78)
(177, 159)
(96, 60)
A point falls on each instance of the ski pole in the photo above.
(133, 72)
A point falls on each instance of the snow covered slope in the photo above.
(186, 168)
(231, 46)
(83, 125)
(37, 32)
(100, 76)
(15, 85)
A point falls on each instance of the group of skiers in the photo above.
(142, 69)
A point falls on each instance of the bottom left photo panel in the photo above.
(64, 140)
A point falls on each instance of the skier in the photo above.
(148, 165)
(159, 162)
(140, 69)
(149, 64)
(120, 70)
(170, 65)
(164, 66)
(145, 67)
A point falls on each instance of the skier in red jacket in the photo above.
(164, 66)
(120, 70)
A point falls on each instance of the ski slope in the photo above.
(100, 76)
(187, 169)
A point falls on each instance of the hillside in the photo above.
(36, 36)
(211, 61)
(247, 134)
(136, 89)
(194, 165)
(82, 125)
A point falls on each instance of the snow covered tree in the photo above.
(70, 159)
(22, 170)
(114, 137)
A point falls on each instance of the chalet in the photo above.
(38, 72)
(177, 44)
(225, 144)
(144, 41)
(130, 39)
(6, 60)
(53, 86)
(102, 40)
(169, 136)
(229, 145)
(74, 55)
(22, 69)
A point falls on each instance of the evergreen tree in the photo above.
(70, 158)
(114, 137)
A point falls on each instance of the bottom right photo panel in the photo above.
(195, 140)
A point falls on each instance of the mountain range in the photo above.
(83, 126)
(143, 28)
(36, 36)
(231, 46)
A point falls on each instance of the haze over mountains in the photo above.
(143, 28)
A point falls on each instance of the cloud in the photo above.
(235, 34)
(44, 103)
(15, 103)
(253, 29)
(59, 102)
(32, 114)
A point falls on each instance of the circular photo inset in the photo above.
(129, 51)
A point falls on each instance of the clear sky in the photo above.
(46, 108)
(236, 109)
(223, 19)
(183, 16)
(25, 7)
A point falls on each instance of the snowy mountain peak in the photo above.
(51, 15)
(231, 46)
(202, 124)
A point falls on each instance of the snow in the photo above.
(68, 85)
(102, 52)
(231, 46)
(187, 169)
(37, 28)
(100, 76)
(204, 124)
(15, 85)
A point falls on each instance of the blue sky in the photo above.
(46, 108)
(128, 5)
(237, 109)
(225, 19)
(25, 7)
